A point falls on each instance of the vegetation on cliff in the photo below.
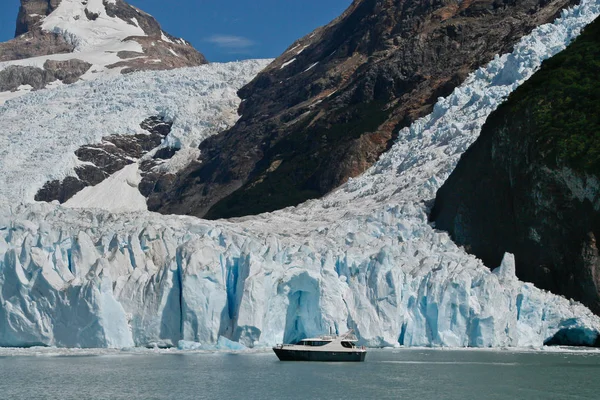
(563, 99)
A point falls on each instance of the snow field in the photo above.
(43, 129)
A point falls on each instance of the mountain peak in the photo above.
(31, 12)
(99, 37)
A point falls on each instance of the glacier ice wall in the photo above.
(364, 257)
(91, 279)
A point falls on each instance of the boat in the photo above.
(325, 348)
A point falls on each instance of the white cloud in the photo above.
(231, 42)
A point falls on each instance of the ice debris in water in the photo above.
(189, 346)
(226, 344)
(364, 257)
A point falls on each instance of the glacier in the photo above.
(363, 258)
(42, 130)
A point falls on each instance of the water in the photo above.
(398, 374)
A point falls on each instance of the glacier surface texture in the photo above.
(364, 257)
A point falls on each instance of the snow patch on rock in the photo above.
(119, 193)
(285, 64)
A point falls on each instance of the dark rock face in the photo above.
(31, 12)
(67, 71)
(113, 154)
(530, 185)
(171, 55)
(126, 12)
(328, 107)
(33, 44)
(14, 76)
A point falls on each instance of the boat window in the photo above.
(348, 345)
(313, 343)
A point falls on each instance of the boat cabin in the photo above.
(348, 344)
(313, 342)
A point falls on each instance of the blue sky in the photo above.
(225, 30)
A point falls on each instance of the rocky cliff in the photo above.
(31, 12)
(328, 107)
(530, 185)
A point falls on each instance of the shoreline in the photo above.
(7, 352)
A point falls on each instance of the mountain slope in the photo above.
(63, 135)
(530, 184)
(328, 107)
(65, 40)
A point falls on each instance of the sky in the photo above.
(225, 30)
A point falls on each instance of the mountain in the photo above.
(326, 109)
(364, 257)
(62, 41)
(529, 185)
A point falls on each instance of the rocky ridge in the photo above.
(328, 107)
(99, 161)
(13, 77)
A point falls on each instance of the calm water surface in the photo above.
(400, 374)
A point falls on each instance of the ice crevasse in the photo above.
(362, 258)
